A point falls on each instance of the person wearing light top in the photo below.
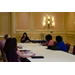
(3, 41)
(49, 41)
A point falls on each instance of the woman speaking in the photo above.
(25, 38)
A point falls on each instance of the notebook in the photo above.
(25, 51)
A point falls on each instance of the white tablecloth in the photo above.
(49, 55)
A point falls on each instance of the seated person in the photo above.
(25, 38)
(12, 52)
(61, 45)
(3, 41)
(49, 41)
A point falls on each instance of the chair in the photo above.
(0, 45)
(68, 46)
(74, 50)
(4, 55)
(54, 43)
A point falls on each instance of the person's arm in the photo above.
(44, 43)
(28, 39)
(22, 39)
(23, 56)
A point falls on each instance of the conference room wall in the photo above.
(34, 33)
(4, 24)
(70, 28)
(8, 24)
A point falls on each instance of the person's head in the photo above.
(7, 45)
(48, 37)
(24, 34)
(58, 39)
(13, 45)
(6, 36)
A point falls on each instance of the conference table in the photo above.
(38, 41)
(49, 55)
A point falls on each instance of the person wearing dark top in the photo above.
(7, 47)
(12, 52)
(25, 38)
(60, 43)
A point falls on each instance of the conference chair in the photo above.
(0, 45)
(68, 46)
(54, 43)
(4, 55)
(74, 50)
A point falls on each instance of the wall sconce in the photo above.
(48, 21)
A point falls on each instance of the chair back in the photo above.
(68, 46)
(74, 50)
(0, 45)
(54, 43)
(4, 55)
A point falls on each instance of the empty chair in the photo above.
(68, 46)
(74, 50)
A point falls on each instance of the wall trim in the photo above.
(3, 36)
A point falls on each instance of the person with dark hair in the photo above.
(7, 45)
(12, 52)
(61, 45)
(25, 38)
(5, 38)
(49, 41)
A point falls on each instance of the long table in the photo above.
(49, 55)
(38, 41)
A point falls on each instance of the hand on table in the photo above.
(33, 54)
(19, 46)
(27, 40)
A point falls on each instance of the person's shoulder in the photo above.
(61, 42)
(51, 41)
(2, 41)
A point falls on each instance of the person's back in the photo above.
(51, 43)
(61, 44)
(12, 56)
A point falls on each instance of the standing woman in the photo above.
(25, 38)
